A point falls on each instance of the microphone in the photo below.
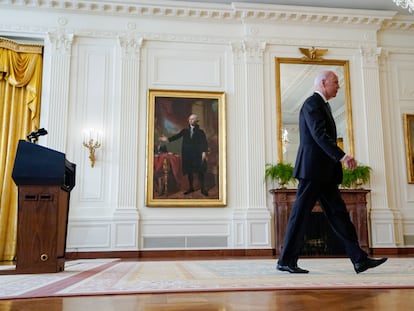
(33, 136)
(42, 132)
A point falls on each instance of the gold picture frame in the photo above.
(294, 82)
(167, 180)
(409, 145)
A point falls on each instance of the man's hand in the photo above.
(349, 162)
(163, 138)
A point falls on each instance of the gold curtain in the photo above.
(20, 92)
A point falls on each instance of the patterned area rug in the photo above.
(112, 276)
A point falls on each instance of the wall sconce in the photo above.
(92, 141)
(285, 140)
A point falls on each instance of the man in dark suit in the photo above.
(193, 152)
(319, 171)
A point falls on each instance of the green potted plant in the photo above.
(357, 177)
(282, 173)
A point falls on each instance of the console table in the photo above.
(356, 204)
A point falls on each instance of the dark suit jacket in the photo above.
(318, 156)
(191, 149)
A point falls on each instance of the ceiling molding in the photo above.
(212, 12)
(402, 23)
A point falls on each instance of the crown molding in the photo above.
(211, 12)
(399, 23)
(310, 15)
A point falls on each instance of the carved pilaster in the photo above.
(131, 47)
(248, 51)
(370, 56)
(130, 64)
(238, 126)
(249, 81)
(372, 96)
(57, 58)
(253, 51)
(60, 43)
(237, 49)
(383, 58)
(255, 112)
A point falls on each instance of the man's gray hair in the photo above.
(323, 75)
(194, 116)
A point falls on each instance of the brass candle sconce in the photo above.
(92, 141)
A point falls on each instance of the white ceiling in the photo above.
(344, 4)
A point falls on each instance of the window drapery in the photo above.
(20, 92)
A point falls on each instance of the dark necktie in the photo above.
(332, 118)
(329, 107)
(330, 111)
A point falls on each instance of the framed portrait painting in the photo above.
(409, 145)
(186, 149)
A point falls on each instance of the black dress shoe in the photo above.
(291, 269)
(189, 191)
(204, 192)
(368, 264)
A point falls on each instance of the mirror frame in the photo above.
(347, 93)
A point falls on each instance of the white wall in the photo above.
(100, 62)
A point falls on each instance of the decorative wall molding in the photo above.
(386, 52)
(61, 42)
(399, 23)
(211, 12)
(251, 228)
(310, 15)
(102, 234)
(205, 39)
(254, 50)
(386, 231)
(370, 55)
(131, 46)
(249, 50)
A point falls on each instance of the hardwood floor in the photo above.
(286, 300)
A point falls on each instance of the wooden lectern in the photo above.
(44, 178)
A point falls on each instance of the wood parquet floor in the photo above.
(286, 300)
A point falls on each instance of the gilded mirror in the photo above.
(294, 83)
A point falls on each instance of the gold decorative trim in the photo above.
(313, 54)
(166, 185)
(343, 66)
(20, 47)
(409, 145)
